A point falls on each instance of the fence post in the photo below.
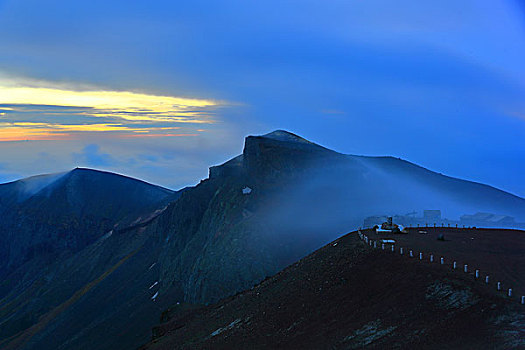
(510, 292)
(411, 254)
(431, 258)
(401, 250)
(454, 265)
(383, 246)
(499, 286)
(487, 279)
(375, 244)
(523, 300)
(420, 256)
(477, 273)
(465, 268)
(442, 261)
(393, 248)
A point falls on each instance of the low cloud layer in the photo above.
(93, 157)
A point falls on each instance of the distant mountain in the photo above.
(49, 214)
(52, 229)
(281, 199)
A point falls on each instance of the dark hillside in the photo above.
(349, 296)
(66, 212)
(49, 237)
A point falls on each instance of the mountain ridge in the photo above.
(213, 240)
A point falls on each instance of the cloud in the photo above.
(5, 174)
(45, 111)
(92, 156)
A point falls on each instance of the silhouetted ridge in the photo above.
(270, 154)
(284, 139)
(283, 135)
(93, 172)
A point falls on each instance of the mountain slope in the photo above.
(45, 214)
(347, 295)
(281, 199)
(45, 224)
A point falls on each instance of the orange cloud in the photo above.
(23, 134)
(37, 112)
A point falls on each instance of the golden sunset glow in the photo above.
(104, 100)
(27, 133)
(86, 111)
(44, 131)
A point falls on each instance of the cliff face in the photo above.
(221, 240)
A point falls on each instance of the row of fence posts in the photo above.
(443, 225)
(373, 243)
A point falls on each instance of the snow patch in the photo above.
(246, 190)
(222, 329)
(155, 296)
(154, 284)
(106, 236)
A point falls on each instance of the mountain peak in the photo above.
(91, 171)
(269, 152)
(283, 135)
(282, 139)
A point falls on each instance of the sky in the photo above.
(161, 90)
